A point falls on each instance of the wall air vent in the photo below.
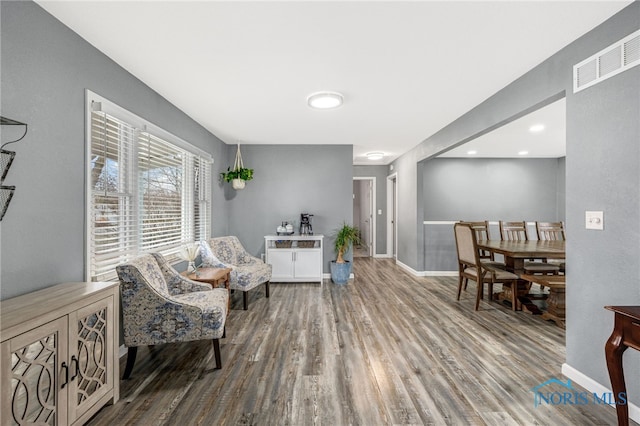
(608, 62)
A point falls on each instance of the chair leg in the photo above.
(245, 300)
(131, 359)
(479, 293)
(216, 353)
(266, 288)
(459, 287)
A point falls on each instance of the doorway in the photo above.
(363, 215)
(392, 214)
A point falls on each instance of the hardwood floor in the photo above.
(387, 348)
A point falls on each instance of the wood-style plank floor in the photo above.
(386, 349)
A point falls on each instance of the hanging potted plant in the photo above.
(239, 174)
(345, 238)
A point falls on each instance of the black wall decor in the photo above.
(6, 159)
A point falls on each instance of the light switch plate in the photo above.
(594, 220)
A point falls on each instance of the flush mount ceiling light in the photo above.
(536, 128)
(375, 155)
(472, 152)
(325, 100)
(523, 152)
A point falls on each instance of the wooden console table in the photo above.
(626, 334)
(214, 277)
(59, 353)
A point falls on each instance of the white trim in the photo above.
(426, 273)
(95, 102)
(382, 256)
(410, 269)
(390, 209)
(592, 386)
(374, 212)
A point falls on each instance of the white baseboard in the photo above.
(592, 386)
(426, 273)
(409, 269)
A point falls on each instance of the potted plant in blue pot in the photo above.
(345, 238)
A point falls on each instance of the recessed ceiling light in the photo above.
(472, 152)
(536, 128)
(325, 100)
(375, 155)
(523, 152)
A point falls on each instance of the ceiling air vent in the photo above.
(608, 62)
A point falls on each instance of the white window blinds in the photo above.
(147, 195)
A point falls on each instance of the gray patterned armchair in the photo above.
(247, 271)
(161, 306)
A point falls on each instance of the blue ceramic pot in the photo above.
(340, 272)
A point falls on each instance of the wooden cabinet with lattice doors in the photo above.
(59, 360)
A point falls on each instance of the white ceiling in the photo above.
(509, 140)
(243, 70)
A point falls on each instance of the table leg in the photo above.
(227, 281)
(614, 349)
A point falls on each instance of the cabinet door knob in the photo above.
(65, 367)
(77, 370)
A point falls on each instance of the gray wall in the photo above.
(485, 189)
(380, 173)
(601, 173)
(603, 154)
(289, 180)
(45, 70)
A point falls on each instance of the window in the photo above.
(146, 193)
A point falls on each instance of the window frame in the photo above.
(195, 203)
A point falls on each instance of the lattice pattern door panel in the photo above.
(91, 365)
(35, 357)
(92, 362)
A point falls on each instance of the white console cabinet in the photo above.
(294, 258)
(59, 354)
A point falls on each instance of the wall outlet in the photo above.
(379, 211)
(594, 220)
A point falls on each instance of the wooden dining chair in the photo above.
(517, 231)
(471, 268)
(513, 231)
(552, 231)
(481, 230)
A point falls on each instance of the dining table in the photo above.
(515, 253)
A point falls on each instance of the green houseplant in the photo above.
(239, 174)
(345, 237)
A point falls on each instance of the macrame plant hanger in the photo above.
(237, 165)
